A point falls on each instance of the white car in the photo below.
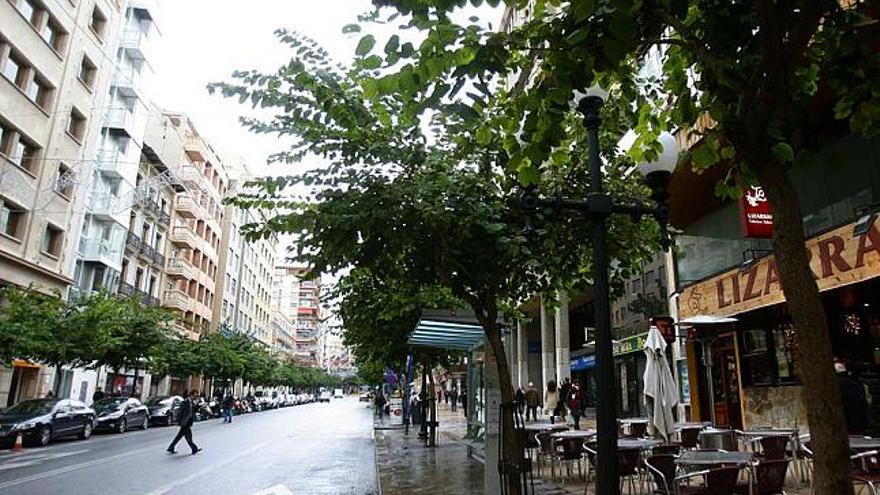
(338, 394)
(324, 397)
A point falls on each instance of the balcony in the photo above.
(164, 219)
(133, 241)
(195, 148)
(126, 290)
(186, 206)
(184, 236)
(176, 299)
(109, 162)
(100, 251)
(191, 176)
(179, 268)
(120, 118)
(137, 43)
(127, 80)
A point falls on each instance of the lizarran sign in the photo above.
(837, 258)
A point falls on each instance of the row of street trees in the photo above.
(426, 146)
(122, 334)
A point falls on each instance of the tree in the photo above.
(223, 357)
(137, 332)
(178, 357)
(437, 210)
(757, 85)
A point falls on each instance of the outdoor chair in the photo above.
(662, 469)
(718, 481)
(530, 442)
(689, 437)
(637, 430)
(628, 461)
(667, 448)
(570, 451)
(769, 478)
(774, 448)
(804, 459)
(546, 451)
(866, 470)
(590, 454)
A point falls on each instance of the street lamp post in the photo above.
(598, 206)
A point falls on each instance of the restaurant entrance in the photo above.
(726, 396)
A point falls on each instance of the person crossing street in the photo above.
(228, 408)
(186, 418)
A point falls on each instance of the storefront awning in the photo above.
(446, 335)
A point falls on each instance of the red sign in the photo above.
(665, 325)
(755, 213)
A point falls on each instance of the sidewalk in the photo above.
(407, 467)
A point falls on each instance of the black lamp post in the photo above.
(597, 207)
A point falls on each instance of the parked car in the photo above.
(338, 394)
(163, 409)
(325, 396)
(121, 413)
(42, 420)
(364, 397)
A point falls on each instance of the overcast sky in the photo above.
(204, 41)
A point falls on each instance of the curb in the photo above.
(376, 464)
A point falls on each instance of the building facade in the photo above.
(299, 298)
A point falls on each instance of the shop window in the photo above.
(768, 356)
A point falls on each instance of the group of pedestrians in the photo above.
(452, 397)
(558, 401)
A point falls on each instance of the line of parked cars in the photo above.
(42, 420)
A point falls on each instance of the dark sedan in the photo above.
(121, 413)
(163, 409)
(42, 420)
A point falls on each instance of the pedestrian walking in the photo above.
(453, 399)
(551, 400)
(519, 400)
(564, 391)
(533, 399)
(185, 417)
(439, 395)
(577, 403)
(98, 395)
(228, 408)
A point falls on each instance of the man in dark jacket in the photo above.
(185, 417)
(98, 395)
(533, 398)
(228, 408)
(855, 401)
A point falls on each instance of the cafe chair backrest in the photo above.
(689, 437)
(662, 469)
(722, 481)
(774, 447)
(770, 476)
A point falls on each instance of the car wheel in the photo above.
(86, 431)
(169, 419)
(146, 423)
(45, 436)
(123, 424)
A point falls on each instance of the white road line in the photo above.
(68, 469)
(278, 489)
(204, 471)
(35, 458)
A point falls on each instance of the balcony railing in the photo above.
(176, 299)
(125, 289)
(100, 250)
(108, 162)
(183, 235)
(164, 218)
(133, 241)
(179, 267)
(186, 206)
(119, 118)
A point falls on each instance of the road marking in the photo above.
(35, 458)
(278, 489)
(68, 469)
(204, 471)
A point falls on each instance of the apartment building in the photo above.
(283, 344)
(245, 280)
(57, 60)
(333, 355)
(299, 299)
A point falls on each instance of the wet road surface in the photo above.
(313, 449)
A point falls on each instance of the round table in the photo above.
(628, 421)
(863, 443)
(637, 443)
(687, 425)
(711, 458)
(781, 432)
(574, 434)
(544, 427)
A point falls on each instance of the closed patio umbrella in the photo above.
(661, 393)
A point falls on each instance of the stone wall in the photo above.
(779, 407)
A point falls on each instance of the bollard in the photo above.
(18, 443)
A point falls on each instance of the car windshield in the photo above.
(109, 404)
(155, 401)
(32, 407)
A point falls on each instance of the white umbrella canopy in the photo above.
(661, 392)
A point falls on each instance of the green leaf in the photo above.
(365, 45)
(783, 151)
(372, 62)
(392, 44)
(484, 135)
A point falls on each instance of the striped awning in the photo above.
(446, 335)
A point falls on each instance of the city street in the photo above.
(313, 448)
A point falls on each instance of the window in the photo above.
(24, 153)
(99, 23)
(12, 219)
(13, 69)
(54, 35)
(28, 10)
(88, 72)
(76, 126)
(40, 92)
(53, 238)
(65, 181)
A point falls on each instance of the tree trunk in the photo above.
(511, 452)
(134, 384)
(821, 395)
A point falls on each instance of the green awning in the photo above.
(446, 335)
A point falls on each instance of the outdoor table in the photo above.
(692, 424)
(708, 458)
(539, 427)
(718, 438)
(636, 443)
(574, 434)
(858, 442)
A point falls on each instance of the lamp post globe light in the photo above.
(598, 206)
